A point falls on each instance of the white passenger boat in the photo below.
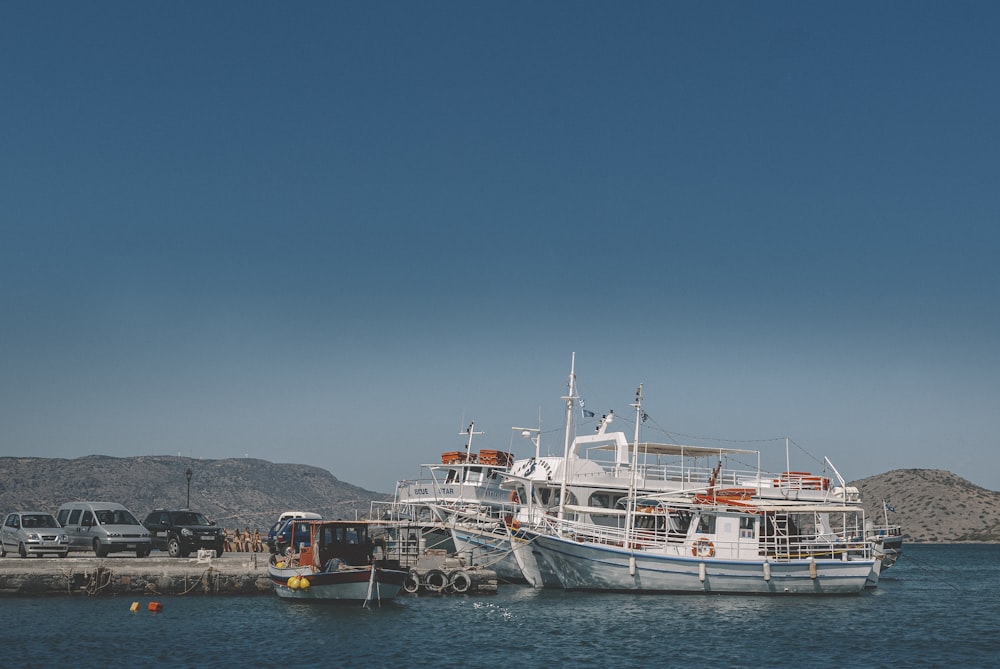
(681, 544)
(585, 493)
(464, 480)
(460, 507)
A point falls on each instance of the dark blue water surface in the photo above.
(938, 607)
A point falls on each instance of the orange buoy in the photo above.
(155, 607)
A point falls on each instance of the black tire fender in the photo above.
(435, 580)
(460, 581)
(412, 582)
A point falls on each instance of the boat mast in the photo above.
(788, 459)
(570, 400)
(468, 445)
(630, 508)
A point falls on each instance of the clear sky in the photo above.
(335, 233)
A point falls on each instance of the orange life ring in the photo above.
(514, 497)
(702, 548)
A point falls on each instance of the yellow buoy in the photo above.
(134, 607)
(293, 583)
(303, 583)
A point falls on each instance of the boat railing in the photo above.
(805, 546)
(416, 512)
(478, 513)
(685, 477)
(886, 531)
(773, 544)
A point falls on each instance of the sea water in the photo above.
(938, 607)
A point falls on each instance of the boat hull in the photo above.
(349, 585)
(534, 565)
(490, 548)
(588, 566)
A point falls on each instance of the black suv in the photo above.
(181, 533)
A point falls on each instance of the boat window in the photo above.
(601, 499)
(706, 523)
(550, 496)
(680, 521)
(747, 526)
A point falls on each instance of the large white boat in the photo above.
(688, 544)
(589, 486)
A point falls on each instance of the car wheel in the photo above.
(219, 550)
(63, 554)
(21, 550)
(3, 551)
(174, 548)
(100, 550)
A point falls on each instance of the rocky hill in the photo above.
(934, 505)
(931, 505)
(238, 492)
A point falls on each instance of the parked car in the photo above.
(33, 533)
(283, 541)
(285, 516)
(103, 527)
(182, 532)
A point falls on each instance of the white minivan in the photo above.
(103, 527)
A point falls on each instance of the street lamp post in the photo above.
(188, 474)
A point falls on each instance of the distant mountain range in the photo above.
(235, 493)
(931, 505)
(934, 505)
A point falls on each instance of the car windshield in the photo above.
(191, 518)
(116, 517)
(38, 520)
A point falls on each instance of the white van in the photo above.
(307, 515)
(103, 527)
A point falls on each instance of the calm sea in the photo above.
(938, 607)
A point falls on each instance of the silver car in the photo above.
(33, 532)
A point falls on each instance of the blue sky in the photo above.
(335, 233)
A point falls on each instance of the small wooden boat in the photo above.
(337, 565)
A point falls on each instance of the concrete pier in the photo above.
(83, 574)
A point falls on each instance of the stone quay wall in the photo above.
(86, 575)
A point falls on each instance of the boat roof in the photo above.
(352, 523)
(755, 504)
(463, 465)
(679, 449)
